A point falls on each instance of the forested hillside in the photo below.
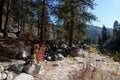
(54, 40)
(94, 32)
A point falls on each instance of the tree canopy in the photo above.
(37, 16)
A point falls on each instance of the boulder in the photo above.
(30, 68)
(60, 57)
(16, 67)
(51, 55)
(24, 76)
(23, 54)
(33, 68)
(3, 75)
(38, 69)
(62, 51)
(12, 35)
(64, 46)
(10, 75)
(1, 68)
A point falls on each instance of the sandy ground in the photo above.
(52, 70)
(63, 70)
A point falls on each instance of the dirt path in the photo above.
(59, 70)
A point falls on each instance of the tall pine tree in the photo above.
(105, 34)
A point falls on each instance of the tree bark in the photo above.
(1, 13)
(38, 23)
(6, 20)
(42, 22)
(71, 25)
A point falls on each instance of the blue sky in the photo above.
(107, 12)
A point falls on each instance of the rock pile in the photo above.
(58, 51)
(25, 71)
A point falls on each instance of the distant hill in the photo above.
(95, 31)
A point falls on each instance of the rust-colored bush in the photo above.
(39, 50)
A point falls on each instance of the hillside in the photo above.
(95, 31)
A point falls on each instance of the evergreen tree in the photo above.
(100, 40)
(105, 34)
(115, 40)
(116, 29)
(115, 25)
(74, 13)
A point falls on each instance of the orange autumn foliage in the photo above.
(39, 50)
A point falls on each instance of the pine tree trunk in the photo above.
(1, 13)
(42, 22)
(21, 19)
(38, 24)
(6, 20)
(71, 26)
(66, 24)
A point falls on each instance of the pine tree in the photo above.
(100, 40)
(116, 29)
(105, 34)
(74, 13)
(115, 40)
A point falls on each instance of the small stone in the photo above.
(55, 64)
(49, 58)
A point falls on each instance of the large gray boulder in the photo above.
(24, 76)
(16, 67)
(38, 69)
(33, 68)
(30, 68)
